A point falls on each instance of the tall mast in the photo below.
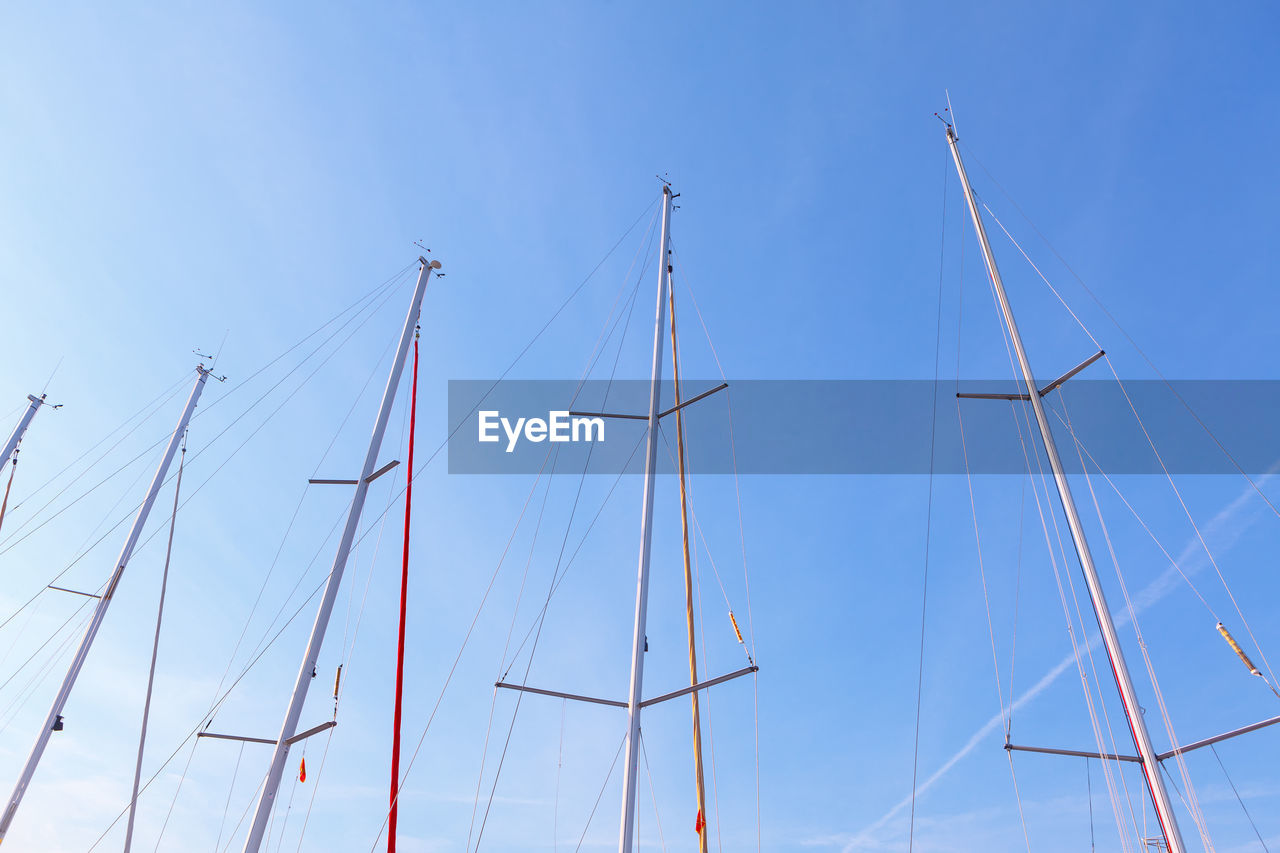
(627, 830)
(53, 720)
(267, 795)
(21, 428)
(700, 787)
(1128, 696)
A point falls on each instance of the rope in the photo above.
(404, 613)
(155, 651)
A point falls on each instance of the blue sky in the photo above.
(170, 176)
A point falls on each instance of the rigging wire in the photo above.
(37, 679)
(1091, 703)
(155, 405)
(387, 288)
(1088, 781)
(973, 506)
(1017, 599)
(227, 806)
(928, 522)
(427, 462)
(1239, 799)
(711, 736)
(200, 726)
(173, 389)
(742, 539)
(1192, 801)
(599, 796)
(16, 536)
(42, 646)
(1271, 681)
(1190, 410)
(685, 466)
(1192, 805)
(196, 455)
(653, 794)
(557, 574)
(1082, 646)
(306, 820)
(555, 811)
(1022, 418)
(1097, 467)
(18, 635)
(155, 647)
(524, 577)
(212, 710)
(991, 630)
(597, 350)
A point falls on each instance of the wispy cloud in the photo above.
(1224, 528)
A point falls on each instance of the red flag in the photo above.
(302, 772)
(699, 824)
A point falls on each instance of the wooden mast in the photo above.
(700, 822)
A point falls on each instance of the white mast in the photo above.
(21, 428)
(267, 796)
(1133, 711)
(638, 641)
(52, 722)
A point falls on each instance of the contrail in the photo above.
(1192, 559)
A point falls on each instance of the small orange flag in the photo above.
(302, 771)
(700, 823)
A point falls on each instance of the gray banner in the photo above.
(864, 427)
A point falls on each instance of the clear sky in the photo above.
(170, 176)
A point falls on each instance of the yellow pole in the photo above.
(688, 589)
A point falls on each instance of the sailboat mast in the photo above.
(1124, 682)
(626, 832)
(52, 721)
(267, 794)
(21, 428)
(700, 787)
